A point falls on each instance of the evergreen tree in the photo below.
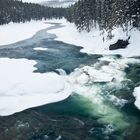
(17, 11)
(106, 13)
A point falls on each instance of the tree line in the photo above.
(106, 14)
(17, 11)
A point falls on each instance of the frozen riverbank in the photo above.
(14, 32)
(20, 88)
(93, 42)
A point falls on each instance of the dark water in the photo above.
(75, 118)
(58, 56)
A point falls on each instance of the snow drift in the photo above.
(20, 88)
(14, 32)
(97, 42)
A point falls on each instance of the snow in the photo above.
(20, 88)
(58, 3)
(85, 80)
(40, 49)
(114, 70)
(93, 43)
(23, 89)
(137, 96)
(14, 32)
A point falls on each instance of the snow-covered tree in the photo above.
(107, 13)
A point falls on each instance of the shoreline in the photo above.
(14, 32)
(92, 42)
(40, 34)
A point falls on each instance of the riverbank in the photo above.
(15, 32)
(95, 42)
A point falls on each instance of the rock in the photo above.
(120, 44)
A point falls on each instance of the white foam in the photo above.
(40, 49)
(20, 88)
(85, 82)
(106, 73)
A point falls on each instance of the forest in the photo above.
(86, 14)
(105, 14)
(17, 11)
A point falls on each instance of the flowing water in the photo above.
(100, 107)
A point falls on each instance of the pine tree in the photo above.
(17, 11)
(106, 13)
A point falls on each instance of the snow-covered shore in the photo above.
(14, 32)
(93, 43)
(20, 88)
(29, 82)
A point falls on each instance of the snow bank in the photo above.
(20, 88)
(93, 42)
(40, 49)
(15, 32)
(137, 95)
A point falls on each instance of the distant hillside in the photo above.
(17, 11)
(59, 3)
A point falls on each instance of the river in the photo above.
(101, 106)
